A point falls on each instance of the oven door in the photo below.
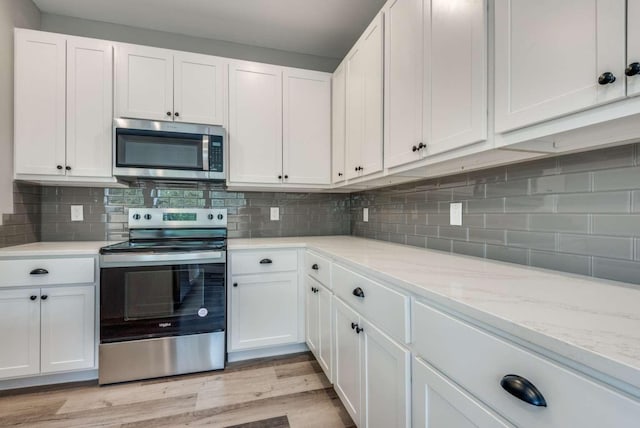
(159, 298)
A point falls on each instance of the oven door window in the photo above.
(154, 301)
(158, 150)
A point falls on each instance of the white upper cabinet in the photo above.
(554, 57)
(435, 77)
(144, 82)
(403, 81)
(63, 106)
(338, 117)
(455, 64)
(199, 88)
(159, 84)
(306, 143)
(633, 47)
(89, 107)
(255, 123)
(40, 82)
(364, 102)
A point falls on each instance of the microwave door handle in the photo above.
(205, 153)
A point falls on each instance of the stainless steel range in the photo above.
(162, 295)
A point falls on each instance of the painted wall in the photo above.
(127, 34)
(13, 13)
(577, 213)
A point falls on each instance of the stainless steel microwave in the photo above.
(165, 150)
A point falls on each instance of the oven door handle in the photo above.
(149, 258)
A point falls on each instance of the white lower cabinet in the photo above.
(46, 330)
(372, 372)
(318, 324)
(438, 402)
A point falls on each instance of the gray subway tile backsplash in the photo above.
(579, 213)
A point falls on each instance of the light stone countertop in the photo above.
(47, 249)
(590, 321)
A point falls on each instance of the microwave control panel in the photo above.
(216, 158)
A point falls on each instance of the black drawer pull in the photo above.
(359, 329)
(265, 262)
(354, 325)
(44, 297)
(315, 266)
(235, 284)
(358, 292)
(39, 271)
(522, 389)
(33, 297)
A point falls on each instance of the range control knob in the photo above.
(136, 216)
(147, 216)
(220, 216)
(210, 216)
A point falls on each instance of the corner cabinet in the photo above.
(159, 84)
(435, 77)
(279, 125)
(364, 93)
(575, 63)
(47, 328)
(63, 108)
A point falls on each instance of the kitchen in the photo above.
(372, 214)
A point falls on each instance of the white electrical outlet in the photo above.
(455, 214)
(365, 214)
(275, 213)
(77, 213)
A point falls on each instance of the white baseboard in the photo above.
(266, 352)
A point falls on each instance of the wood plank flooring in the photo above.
(288, 391)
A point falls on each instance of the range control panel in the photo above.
(168, 218)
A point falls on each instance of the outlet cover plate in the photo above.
(455, 214)
(77, 213)
(365, 214)
(275, 213)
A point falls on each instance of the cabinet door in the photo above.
(89, 107)
(68, 328)
(437, 402)
(543, 74)
(338, 123)
(20, 332)
(386, 380)
(311, 315)
(455, 62)
(199, 88)
(403, 81)
(364, 102)
(144, 83)
(264, 310)
(633, 44)
(39, 101)
(306, 139)
(255, 123)
(347, 362)
(324, 352)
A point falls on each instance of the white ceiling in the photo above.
(317, 27)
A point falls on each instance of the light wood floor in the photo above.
(289, 391)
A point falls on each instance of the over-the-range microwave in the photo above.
(165, 150)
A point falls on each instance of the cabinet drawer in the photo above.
(478, 361)
(58, 271)
(247, 262)
(318, 267)
(384, 307)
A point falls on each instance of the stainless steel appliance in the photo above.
(162, 295)
(145, 148)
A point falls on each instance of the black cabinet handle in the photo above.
(279, 177)
(358, 292)
(606, 78)
(632, 69)
(33, 297)
(176, 114)
(315, 266)
(356, 169)
(522, 389)
(68, 168)
(39, 271)
(414, 148)
(354, 325)
(59, 166)
(359, 329)
(339, 174)
(235, 284)
(168, 113)
(286, 177)
(422, 146)
(44, 297)
(265, 262)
